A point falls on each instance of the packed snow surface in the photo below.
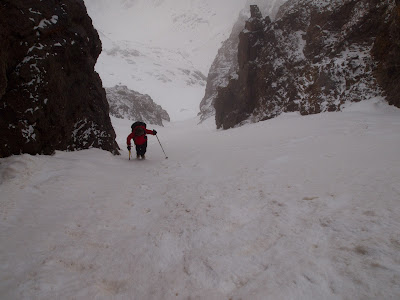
(290, 208)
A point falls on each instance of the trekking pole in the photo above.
(166, 157)
(129, 154)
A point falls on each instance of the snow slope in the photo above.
(290, 208)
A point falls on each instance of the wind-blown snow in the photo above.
(290, 208)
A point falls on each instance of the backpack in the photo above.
(139, 131)
(138, 124)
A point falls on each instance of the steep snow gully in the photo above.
(290, 208)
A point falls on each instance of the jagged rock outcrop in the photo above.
(50, 96)
(223, 68)
(386, 52)
(314, 57)
(225, 65)
(128, 104)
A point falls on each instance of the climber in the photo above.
(139, 137)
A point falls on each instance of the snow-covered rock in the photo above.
(314, 57)
(225, 65)
(386, 52)
(50, 96)
(222, 70)
(128, 104)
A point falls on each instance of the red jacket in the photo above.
(138, 140)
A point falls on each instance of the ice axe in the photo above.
(166, 157)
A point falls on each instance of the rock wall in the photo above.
(314, 57)
(386, 52)
(50, 96)
(128, 104)
(223, 68)
(225, 65)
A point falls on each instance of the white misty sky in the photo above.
(195, 27)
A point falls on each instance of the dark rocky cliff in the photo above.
(314, 57)
(225, 64)
(50, 96)
(386, 52)
(223, 68)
